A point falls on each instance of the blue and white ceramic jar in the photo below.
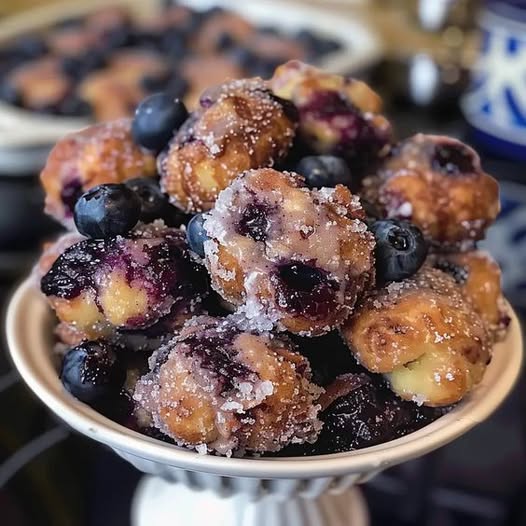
(495, 105)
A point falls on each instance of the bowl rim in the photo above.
(28, 338)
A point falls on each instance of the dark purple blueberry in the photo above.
(173, 43)
(369, 414)
(92, 373)
(49, 108)
(254, 222)
(69, 275)
(215, 351)
(120, 36)
(305, 289)
(156, 119)
(400, 249)
(224, 41)
(196, 234)
(452, 159)
(29, 47)
(458, 272)
(154, 204)
(74, 106)
(107, 210)
(9, 93)
(79, 66)
(69, 195)
(324, 170)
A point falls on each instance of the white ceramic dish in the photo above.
(243, 492)
(20, 129)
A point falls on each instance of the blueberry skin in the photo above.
(400, 250)
(107, 210)
(156, 119)
(324, 170)
(92, 373)
(196, 234)
(154, 204)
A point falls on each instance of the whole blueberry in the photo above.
(107, 210)
(91, 372)
(154, 204)
(79, 66)
(324, 170)
(196, 234)
(400, 249)
(156, 119)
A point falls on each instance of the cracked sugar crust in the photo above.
(131, 283)
(337, 115)
(424, 335)
(239, 125)
(102, 153)
(217, 387)
(437, 183)
(286, 255)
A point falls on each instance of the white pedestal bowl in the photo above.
(183, 487)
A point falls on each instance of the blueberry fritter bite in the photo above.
(101, 285)
(239, 125)
(437, 183)
(290, 256)
(479, 279)
(103, 153)
(424, 335)
(337, 115)
(216, 387)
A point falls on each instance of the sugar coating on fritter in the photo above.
(424, 335)
(219, 388)
(479, 279)
(102, 153)
(290, 256)
(99, 285)
(438, 184)
(239, 125)
(337, 115)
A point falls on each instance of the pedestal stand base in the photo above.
(161, 503)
